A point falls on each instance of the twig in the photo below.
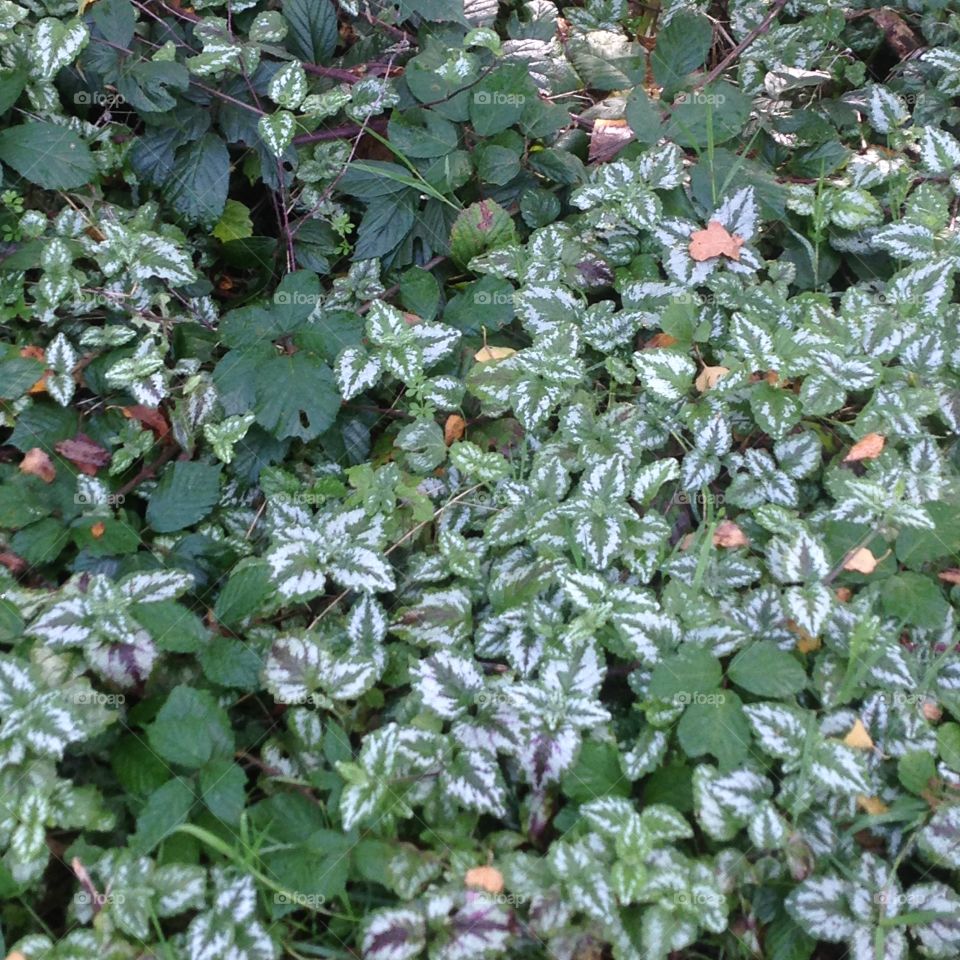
(148, 471)
(759, 29)
(340, 133)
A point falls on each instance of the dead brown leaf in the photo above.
(84, 453)
(860, 560)
(728, 535)
(454, 428)
(708, 378)
(868, 448)
(858, 738)
(950, 576)
(489, 879)
(607, 138)
(715, 241)
(16, 565)
(843, 594)
(38, 464)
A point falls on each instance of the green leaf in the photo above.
(483, 226)
(190, 729)
(48, 155)
(313, 29)
(682, 46)
(223, 789)
(186, 493)
(199, 179)
(231, 663)
(295, 396)
(917, 770)
(914, 599)
(247, 587)
(766, 670)
(235, 224)
(680, 677)
(715, 723)
(643, 117)
(166, 809)
(948, 743)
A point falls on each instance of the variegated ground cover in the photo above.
(479, 480)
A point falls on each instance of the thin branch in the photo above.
(757, 31)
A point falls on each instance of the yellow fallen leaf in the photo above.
(484, 878)
(715, 241)
(860, 560)
(728, 535)
(872, 805)
(487, 353)
(708, 377)
(858, 738)
(867, 448)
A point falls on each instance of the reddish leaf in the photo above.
(84, 453)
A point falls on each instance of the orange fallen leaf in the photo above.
(487, 353)
(806, 642)
(860, 560)
(772, 377)
(98, 530)
(858, 738)
(708, 378)
(868, 448)
(931, 711)
(950, 576)
(149, 417)
(454, 428)
(715, 241)
(36, 353)
(660, 340)
(38, 464)
(872, 805)
(489, 879)
(728, 535)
